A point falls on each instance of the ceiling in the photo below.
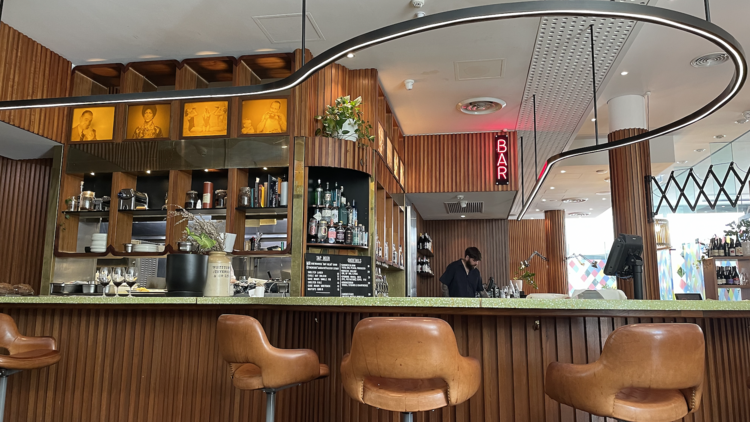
(431, 206)
(546, 57)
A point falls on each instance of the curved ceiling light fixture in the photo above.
(614, 10)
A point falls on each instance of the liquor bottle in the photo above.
(326, 214)
(318, 195)
(312, 230)
(726, 247)
(738, 248)
(710, 251)
(720, 276)
(335, 195)
(735, 276)
(428, 242)
(419, 265)
(340, 234)
(348, 235)
(353, 212)
(343, 214)
(327, 196)
(713, 247)
(322, 231)
(335, 213)
(332, 234)
(727, 275)
(342, 200)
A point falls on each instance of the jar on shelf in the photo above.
(220, 198)
(245, 197)
(191, 200)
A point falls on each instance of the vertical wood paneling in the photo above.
(628, 167)
(467, 158)
(164, 365)
(450, 238)
(32, 71)
(525, 237)
(554, 234)
(24, 185)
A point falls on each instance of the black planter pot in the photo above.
(186, 275)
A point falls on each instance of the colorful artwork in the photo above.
(687, 273)
(666, 285)
(730, 295)
(583, 275)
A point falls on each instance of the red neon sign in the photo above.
(502, 176)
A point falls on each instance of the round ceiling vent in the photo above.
(480, 105)
(712, 59)
(574, 200)
(579, 214)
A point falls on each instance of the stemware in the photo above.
(118, 276)
(104, 278)
(131, 278)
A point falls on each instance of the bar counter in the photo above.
(156, 358)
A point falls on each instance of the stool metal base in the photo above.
(270, 401)
(4, 374)
(407, 417)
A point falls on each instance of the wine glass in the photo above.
(131, 278)
(118, 276)
(104, 279)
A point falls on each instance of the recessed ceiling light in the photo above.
(593, 120)
(96, 60)
(265, 168)
(283, 146)
(537, 209)
(719, 136)
(544, 200)
(699, 150)
(682, 162)
(207, 53)
(463, 216)
(591, 209)
(551, 187)
(604, 199)
(265, 50)
(562, 171)
(148, 171)
(149, 56)
(602, 171)
(624, 72)
(93, 174)
(350, 55)
(206, 170)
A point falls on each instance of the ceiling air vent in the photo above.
(481, 105)
(579, 214)
(574, 200)
(713, 59)
(470, 208)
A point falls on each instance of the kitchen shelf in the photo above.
(730, 258)
(425, 252)
(252, 212)
(733, 286)
(387, 266)
(145, 214)
(263, 254)
(334, 246)
(89, 214)
(426, 275)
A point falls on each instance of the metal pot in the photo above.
(185, 246)
(87, 201)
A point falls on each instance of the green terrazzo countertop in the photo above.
(441, 304)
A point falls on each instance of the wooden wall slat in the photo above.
(24, 185)
(164, 365)
(430, 159)
(525, 237)
(554, 233)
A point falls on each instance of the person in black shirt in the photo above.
(462, 278)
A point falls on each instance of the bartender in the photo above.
(462, 278)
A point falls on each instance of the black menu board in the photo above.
(338, 275)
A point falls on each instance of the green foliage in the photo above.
(527, 276)
(335, 116)
(202, 240)
(739, 230)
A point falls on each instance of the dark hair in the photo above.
(85, 112)
(473, 253)
(149, 107)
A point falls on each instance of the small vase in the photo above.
(219, 275)
(351, 127)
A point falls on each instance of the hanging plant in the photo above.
(344, 121)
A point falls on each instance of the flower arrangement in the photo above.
(206, 236)
(336, 117)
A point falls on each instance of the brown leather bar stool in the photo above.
(647, 372)
(256, 365)
(408, 365)
(24, 353)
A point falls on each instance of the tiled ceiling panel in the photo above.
(560, 76)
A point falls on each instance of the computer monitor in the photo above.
(623, 248)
